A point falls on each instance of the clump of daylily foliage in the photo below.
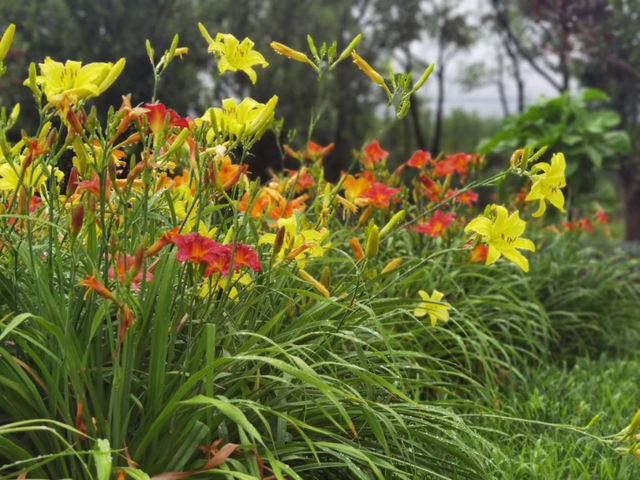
(139, 262)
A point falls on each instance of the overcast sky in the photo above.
(483, 100)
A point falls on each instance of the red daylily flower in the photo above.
(304, 180)
(443, 168)
(373, 153)
(379, 195)
(437, 224)
(468, 197)
(459, 162)
(431, 191)
(93, 186)
(601, 217)
(197, 248)
(479, 254)
(243, 255)
(156, 114)
(317, 152)
(130, 266)
(419, 159)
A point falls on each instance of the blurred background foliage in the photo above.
(565, 45)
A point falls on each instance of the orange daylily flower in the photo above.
(92, 283)
(165, 239)
(354, 186)
(419, 159)
(378, 196)
(437, 224)
(373, 153)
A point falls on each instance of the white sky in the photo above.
(485, 99)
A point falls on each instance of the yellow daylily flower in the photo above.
(237, 56)
(433, 306)
(503, 236)
(188, 214)
(32, 176)
(245, 119)
(72, 81)
(218, 282)
(547, 185)
(297, 246)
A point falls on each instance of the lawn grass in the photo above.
(557, 394)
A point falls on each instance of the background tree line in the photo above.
(569, 43)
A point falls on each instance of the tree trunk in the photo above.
(437, 132)
(500, 83)
(415, 120)
(631, 200)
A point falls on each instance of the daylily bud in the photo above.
(135, 171)
(315, 283)
(125, 323)
(72, 182)
(138, 259)
(33, 84)
(325, 277)
(423, 78)
(14, 116)
(5, 42)
(373, 242)
(259, 125)
(516, 158)
(289, 52)
(163, 241)
(77, 217)
(298, 250)
(177, 143)
(370, 72)
(279, 241)
(392, 265)
(396, 219)
(365, 216)
(51, 138)
(347, 51)
(113, 243)
(73, 122)
(114, 73)
(133, 138)
(113, 174)
(358, 252)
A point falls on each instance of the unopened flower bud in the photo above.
(358, 252)
(72, 182)
(325, 277)
(77, 218)
(6, 40)
(423, 78)
(315, 283)
(395, 220)
(392, 265)
(279, 241)
(373, 242)
(289, 52)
